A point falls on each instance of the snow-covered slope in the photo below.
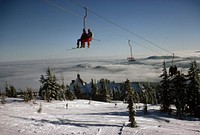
(82, 118)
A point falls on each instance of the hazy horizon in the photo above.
(23, 74)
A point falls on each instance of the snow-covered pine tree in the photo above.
(118, 94)
(164, 93)
(68, 94)
(193, 91)
(130, 99)
(77, 92)
(180, 95)
(144, 98)
(55, 89)
(62, 89)
(104, 91)
(94, 90)
(124, 92)
(49, 89)
(150, 94)
(3, 98)
(28, 95)
(10, 90)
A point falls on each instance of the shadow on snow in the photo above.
(60, 121)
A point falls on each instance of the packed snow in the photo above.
(84, 117)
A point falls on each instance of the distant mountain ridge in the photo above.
(162, 57)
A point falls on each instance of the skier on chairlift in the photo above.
(85, 37)
(82, 39)
(89, 37)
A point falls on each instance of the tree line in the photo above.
(181, 90)
(178, 89)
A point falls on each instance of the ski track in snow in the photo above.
(82, 118)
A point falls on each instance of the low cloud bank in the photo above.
(27, 73)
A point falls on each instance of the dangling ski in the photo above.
(77, 48)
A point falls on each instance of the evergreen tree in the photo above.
(94, 91)
(3, 98)
(104, 92)
(150, 93)
(62, 89)
(28, 95)
(179, 88)
(164, 93)
(50, 89)
(130, 106)
(68, 94)
(116, 94)
(124, 94)
(77, 92)
(144, 96)
(10, 90)
(193, 90)
(114, 97)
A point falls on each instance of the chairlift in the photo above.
(131, 58)
(85, 37)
